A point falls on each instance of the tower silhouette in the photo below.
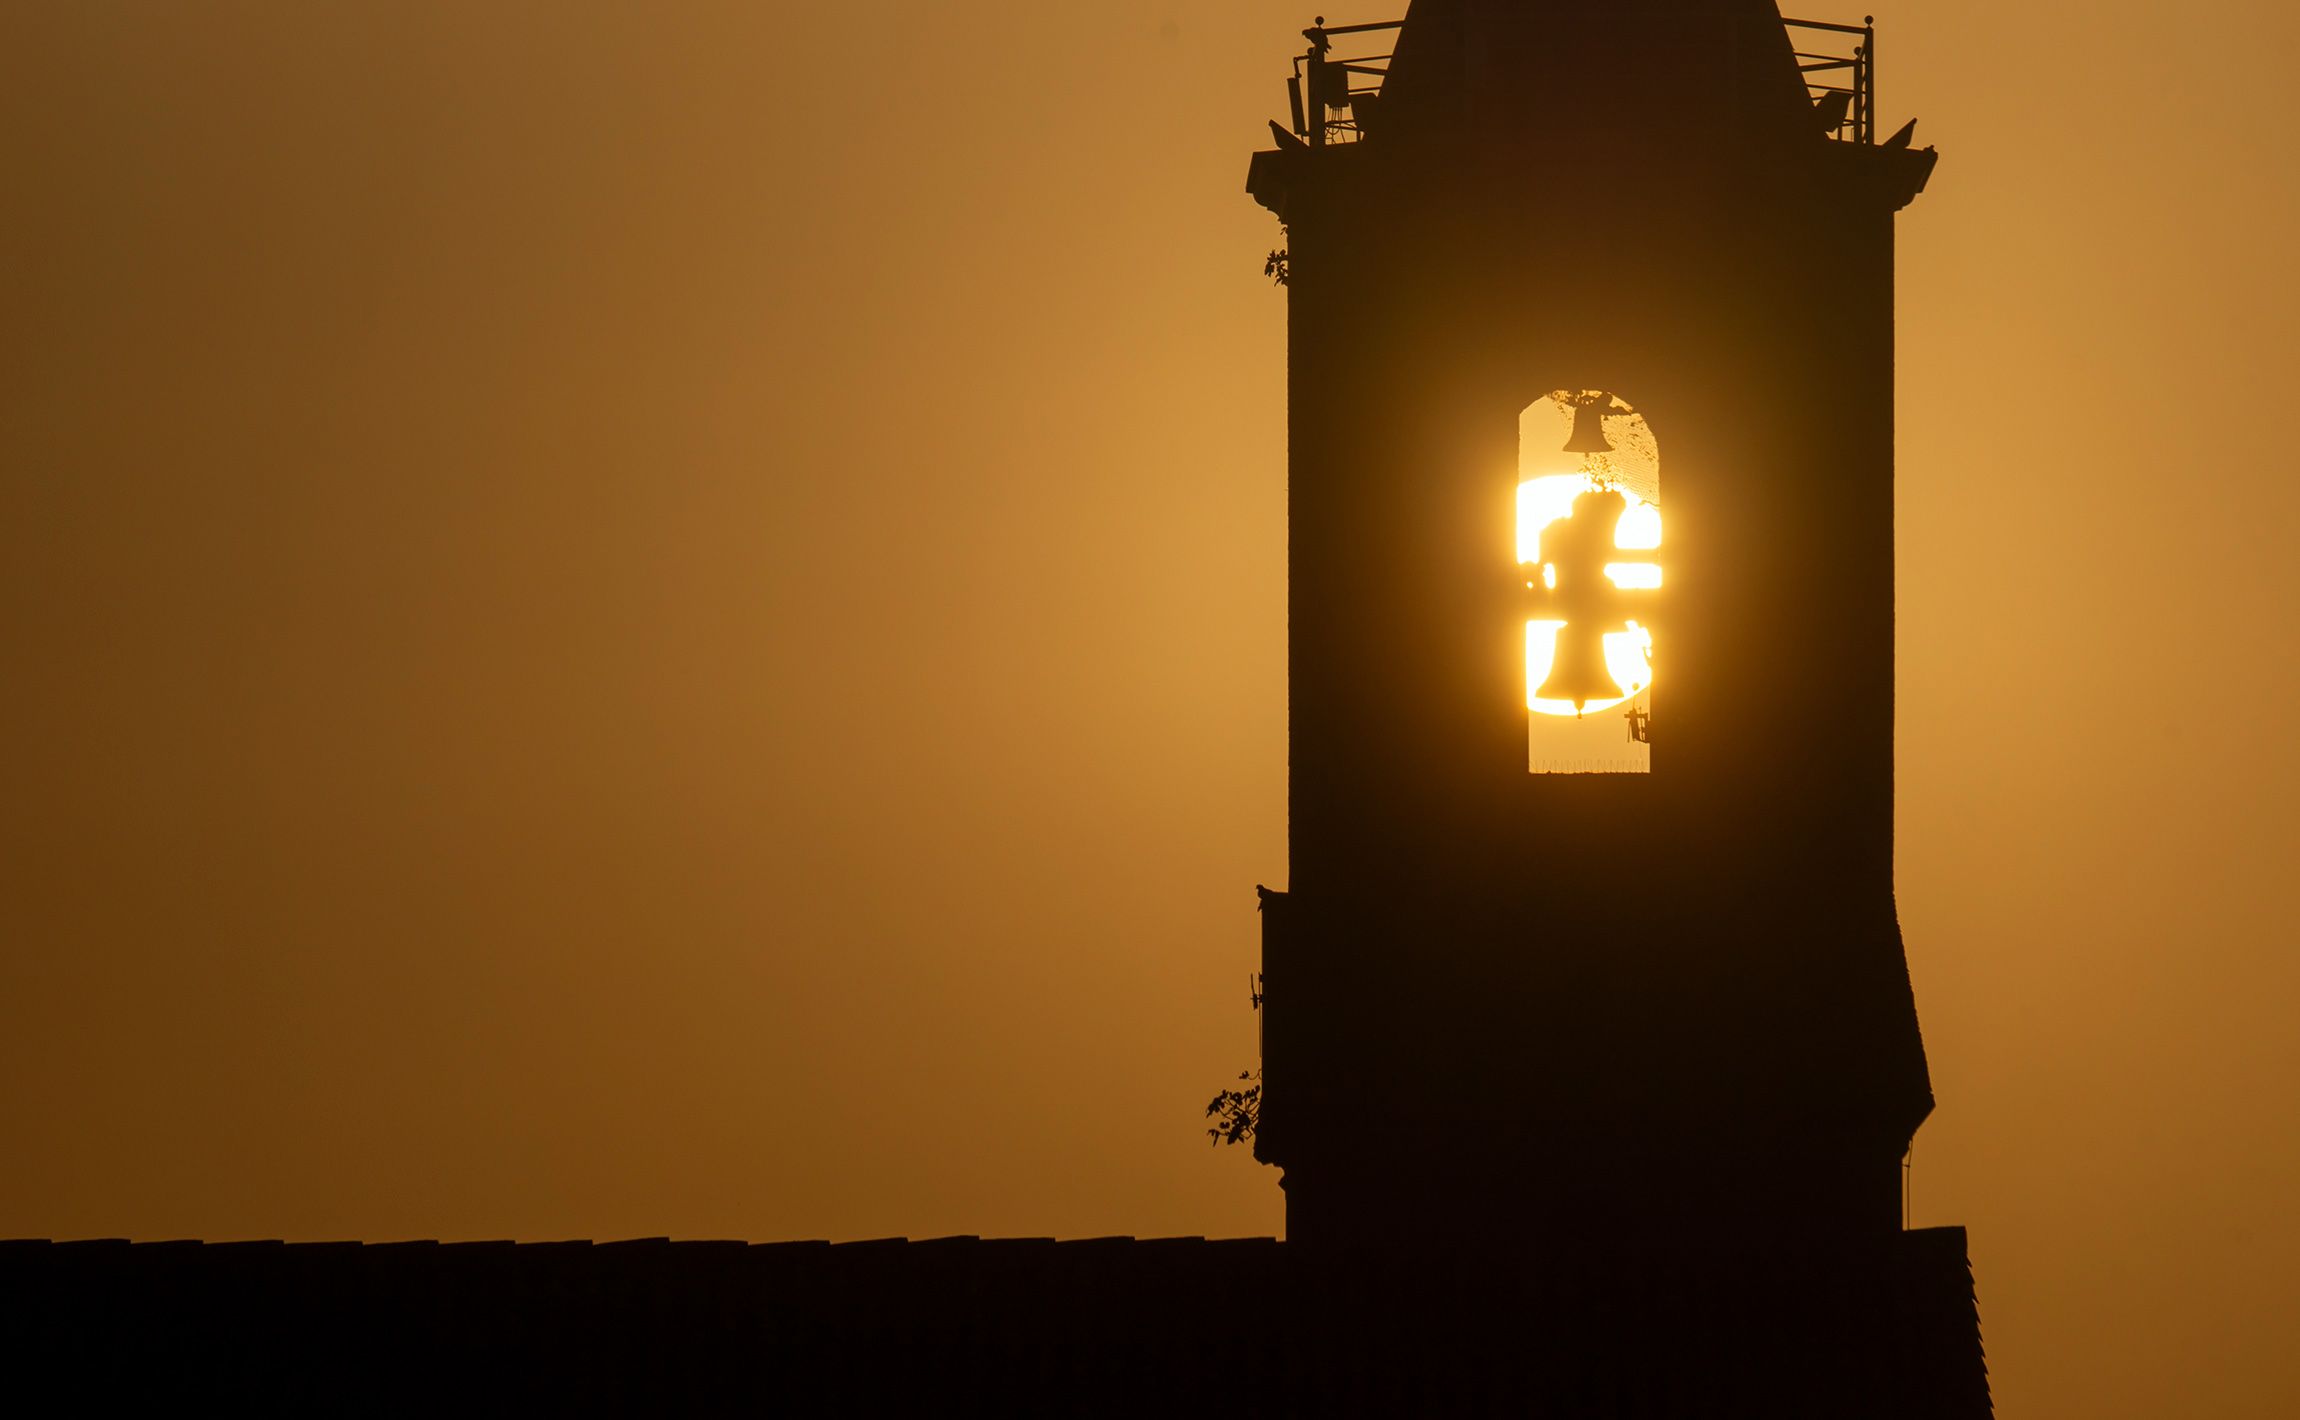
(1590, 1011)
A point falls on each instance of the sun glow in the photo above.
(1628, 653)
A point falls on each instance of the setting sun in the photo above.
(1542, 502)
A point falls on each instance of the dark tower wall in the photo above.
(1636, 1004)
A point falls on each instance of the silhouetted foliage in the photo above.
(1276, 267)
(1236, 1112)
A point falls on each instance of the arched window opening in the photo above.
(1589, 551)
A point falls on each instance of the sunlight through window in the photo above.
(1588, 544)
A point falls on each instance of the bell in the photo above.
(1578, 674)
(1589, 426)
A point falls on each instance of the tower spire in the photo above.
(1546, 67)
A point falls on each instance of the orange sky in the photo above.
(668, 618)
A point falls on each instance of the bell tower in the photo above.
(1590, 929)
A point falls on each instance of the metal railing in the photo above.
(1326, 83)
(1843, 86)
(1334, 95)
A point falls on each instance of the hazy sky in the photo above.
(668, 618)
